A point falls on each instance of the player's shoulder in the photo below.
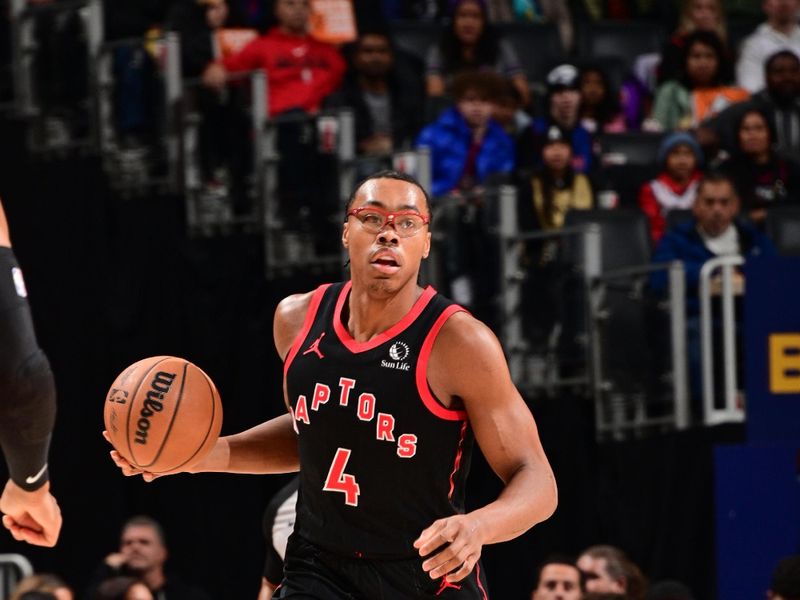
(462, 335)
(290, 314)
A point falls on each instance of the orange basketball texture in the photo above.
(162, 413)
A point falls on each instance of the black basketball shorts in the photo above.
(311, 573)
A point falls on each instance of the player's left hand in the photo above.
(459, 541)
(32, 517)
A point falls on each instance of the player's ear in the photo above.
(345, 234)
(427, 249)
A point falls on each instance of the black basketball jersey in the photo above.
(381, 457)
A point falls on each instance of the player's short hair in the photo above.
(391, 174)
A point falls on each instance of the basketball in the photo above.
(163, 413)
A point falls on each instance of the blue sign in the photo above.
(772, 349)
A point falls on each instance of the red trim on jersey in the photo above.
(393, 331)
(313, 307)
(478, 578)
(423, 388)
(457, 461)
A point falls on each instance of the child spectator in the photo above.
(563, 104)
(553, 190)
(675, 187)
(702, 90)
(696, 15)
(600, 107)
(467, 148)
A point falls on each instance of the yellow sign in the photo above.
(784, 363)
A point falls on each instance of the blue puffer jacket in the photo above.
(449, 140)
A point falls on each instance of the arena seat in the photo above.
(629, 333)
(633, 148)
(626, 180)
(623, 39)
(783, 228)
(738, 30)
(415, 37)
(538, 47)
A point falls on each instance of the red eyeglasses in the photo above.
(405, 222)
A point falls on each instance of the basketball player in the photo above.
(386, 385)
(27, 411)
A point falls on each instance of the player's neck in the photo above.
(369, 314)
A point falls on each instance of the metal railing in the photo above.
(168, 130)
(26, 102)
(611, 415)
(13, 568)
(732, 410)
(610, 407)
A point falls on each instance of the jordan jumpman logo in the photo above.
(446, 584)
(314, 347)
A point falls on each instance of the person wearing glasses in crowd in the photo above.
(387, 385)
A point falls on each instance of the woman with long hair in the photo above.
(763, 178)
(703, 89)
(471, 43)
(696, 15)
(600, 105)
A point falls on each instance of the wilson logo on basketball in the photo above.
(153, 403)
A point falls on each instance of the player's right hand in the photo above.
(127, 468)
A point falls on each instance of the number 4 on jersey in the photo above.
(339, 481)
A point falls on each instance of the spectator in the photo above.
(675, 187)
(44, 583)
(702, 91)
(696, 15)
(763, 179)
(713, 231)
(385, 96)
(509, 111)
(301, 72)
(779, 32)
(123, 588)
(786, 580)
(545, 199)
(224, 146)
(142, 554)
(608, 570)
(466, 144)
(470, 43)
(780, 101)
(563, 103)
(600, 107)
(468, 148)
(558, 579)
(556, 187)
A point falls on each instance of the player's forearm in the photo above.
(267, 448)
(530, 497)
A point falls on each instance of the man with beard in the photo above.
(142, 554)
(383, 92)
(780, 100)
